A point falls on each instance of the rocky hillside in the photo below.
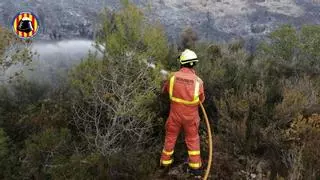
(212, 19)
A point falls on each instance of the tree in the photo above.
(309, 59)
(283, 43)
(116, 96)
(13, 51)
(128, 30)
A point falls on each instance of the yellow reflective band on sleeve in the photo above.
(167, 162)
(168, 153)
(193, 153)
(178, 100)
(171, 86)
(196, 91)
(195, 165)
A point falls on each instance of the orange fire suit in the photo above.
(185, 90)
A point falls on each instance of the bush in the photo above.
(115, 104)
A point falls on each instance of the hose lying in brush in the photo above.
(210, 142)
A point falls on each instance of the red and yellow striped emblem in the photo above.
(32, 21)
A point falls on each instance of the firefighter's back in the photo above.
(186, 89)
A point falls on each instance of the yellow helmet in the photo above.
(188, 56)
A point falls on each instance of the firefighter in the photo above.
(186, 91)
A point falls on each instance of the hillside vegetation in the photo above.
(106, 119)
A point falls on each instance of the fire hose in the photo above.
(210, 142)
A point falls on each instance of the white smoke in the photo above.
(54, 59)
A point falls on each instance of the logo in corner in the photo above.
(25, 25)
